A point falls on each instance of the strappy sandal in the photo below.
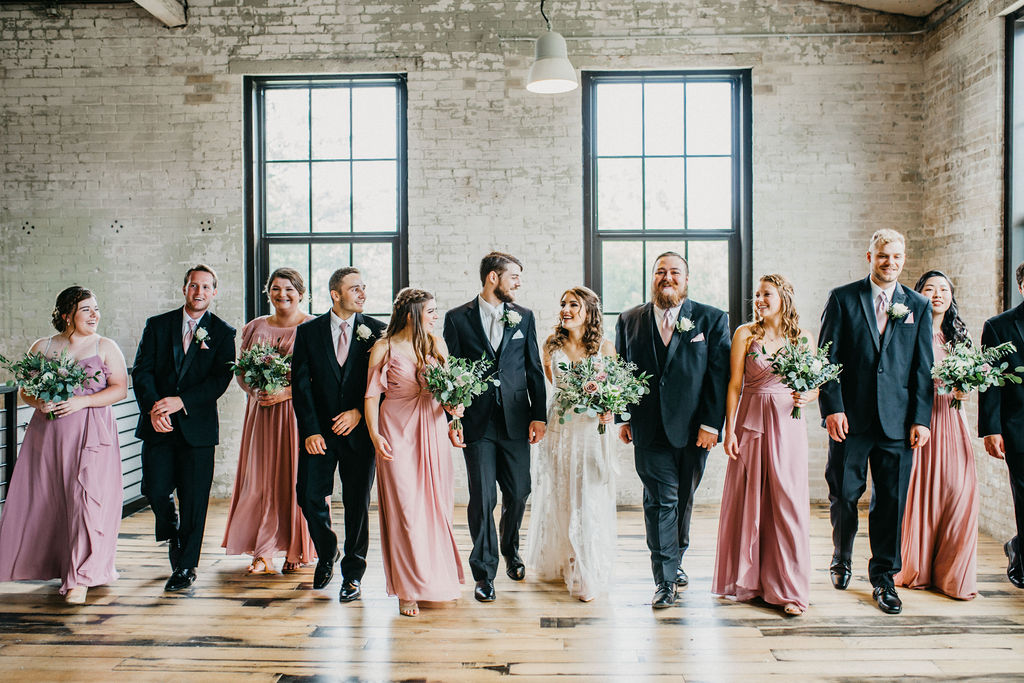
(290, 567)
(408, 608)
(258, 562)
(792, 610)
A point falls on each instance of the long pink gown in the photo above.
(940, 523)
(416, 489)
(265, 519)
(63, 511)
(763, 529)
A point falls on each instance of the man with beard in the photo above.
(684, 345)
(500, 425)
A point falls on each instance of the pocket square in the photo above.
(699, 337)
(518, 334)
(909, 319)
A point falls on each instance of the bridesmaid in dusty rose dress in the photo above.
(939, 543)
(63, 511)
(264, 519)
(763, 529)
(415, 477)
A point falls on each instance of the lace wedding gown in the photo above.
(572, 519)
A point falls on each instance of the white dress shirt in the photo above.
(185, 317)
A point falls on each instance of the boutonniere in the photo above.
(511, 318)
(201, 336)
(684, 324)
(897, 311)
(363, 333)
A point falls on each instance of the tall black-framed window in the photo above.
(1013, 164)
(326, 170)
(666, 167)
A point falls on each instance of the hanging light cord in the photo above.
(546, 20)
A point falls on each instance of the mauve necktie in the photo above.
(187, 340)
(342, 352)
(880, 315)
(497, 328)
(666, 328)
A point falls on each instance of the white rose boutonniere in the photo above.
(684, 324)
(897, 312)
(363, 333)
(201, 336)
(511, 318)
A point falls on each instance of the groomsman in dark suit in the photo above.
(329, 368)
(684, 345)
(878, 412)
(1001, 421)
(181, 369)
(502, 423)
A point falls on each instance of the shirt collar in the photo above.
(659, 313)
(876, 290)
(336, 320)
(489, 309)
(185, 317)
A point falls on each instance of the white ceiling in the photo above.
(915, 8)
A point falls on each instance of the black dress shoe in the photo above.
(665, 596)
(350, 590)
(841, 575)
(484, 591)
(681, 578)
(1014, 571)
(325, 571)
(180, 579)
(887, 599)
(515, 568)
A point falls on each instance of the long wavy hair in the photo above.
(593, 328)
(790, 318)
(407, 310)
(954, 329)
(64, 309)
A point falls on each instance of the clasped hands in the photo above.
(160, 413)
(63, 408)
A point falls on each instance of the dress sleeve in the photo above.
(377, 381)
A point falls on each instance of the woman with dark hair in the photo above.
(939, 543)
(415, 476)
(265, 519)
(63, 511)
(764, 524)
(572, 520)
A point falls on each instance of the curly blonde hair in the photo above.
(408, 310)
(790, 319)
(593, 328)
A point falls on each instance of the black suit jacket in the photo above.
(689, 391)
(321, 388)
(887, 378)
(516, 364)
(1001, 409)
(199, 378)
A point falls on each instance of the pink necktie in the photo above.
(880, 313)
(342, 352)
(189, 335)
(666, 328)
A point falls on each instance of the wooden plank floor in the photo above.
(276, 628)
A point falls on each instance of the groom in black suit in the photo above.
(878, 412)
(502, 423)
(684, 345)
(329, 368)
(1001, 421)
(181, 369)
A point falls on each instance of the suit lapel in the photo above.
(506, 334)
(176, 349)
(685, 311)
(898, 297)
(648, 326)
(869, 312)
(193, 347)
(475, 324)
(327, 338)
(1018, 320)
(354, 346)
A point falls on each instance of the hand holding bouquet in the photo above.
(803, 368)
(457, 382)
(263, 367)
(598, 385)
(968, 367)
(50, 380)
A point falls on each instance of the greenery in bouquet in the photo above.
(51, 380)
(458, 381)
(263, 367)
(598, 385)
(803, 367)
(967, 367)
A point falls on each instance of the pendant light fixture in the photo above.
(552, 72)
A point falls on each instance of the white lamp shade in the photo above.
(552, 72)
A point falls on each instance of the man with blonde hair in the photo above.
(881, 332)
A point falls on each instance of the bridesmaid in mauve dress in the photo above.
(763, 529)
(265, 519)
(63, 510)
(939, 544)
(415, 476)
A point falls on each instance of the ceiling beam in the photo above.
(170, 12)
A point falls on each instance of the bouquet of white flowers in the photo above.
(263, 367)
(802, 367)
(457, 382)
(48, 379)
(968, 367)
(599, 385)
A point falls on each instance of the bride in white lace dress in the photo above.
(572, 518)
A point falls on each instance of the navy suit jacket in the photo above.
(887, 378)
(1001, 409)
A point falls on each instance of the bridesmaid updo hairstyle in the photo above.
(954, 329)
(790, 319)
(67, 305)
(291, 275)
(406, 311)
(593, 327)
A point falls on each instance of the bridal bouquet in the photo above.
(263, 367)
(599, 385)
(48, 379)
(458, 382)
(969, 367)
(802, 367)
